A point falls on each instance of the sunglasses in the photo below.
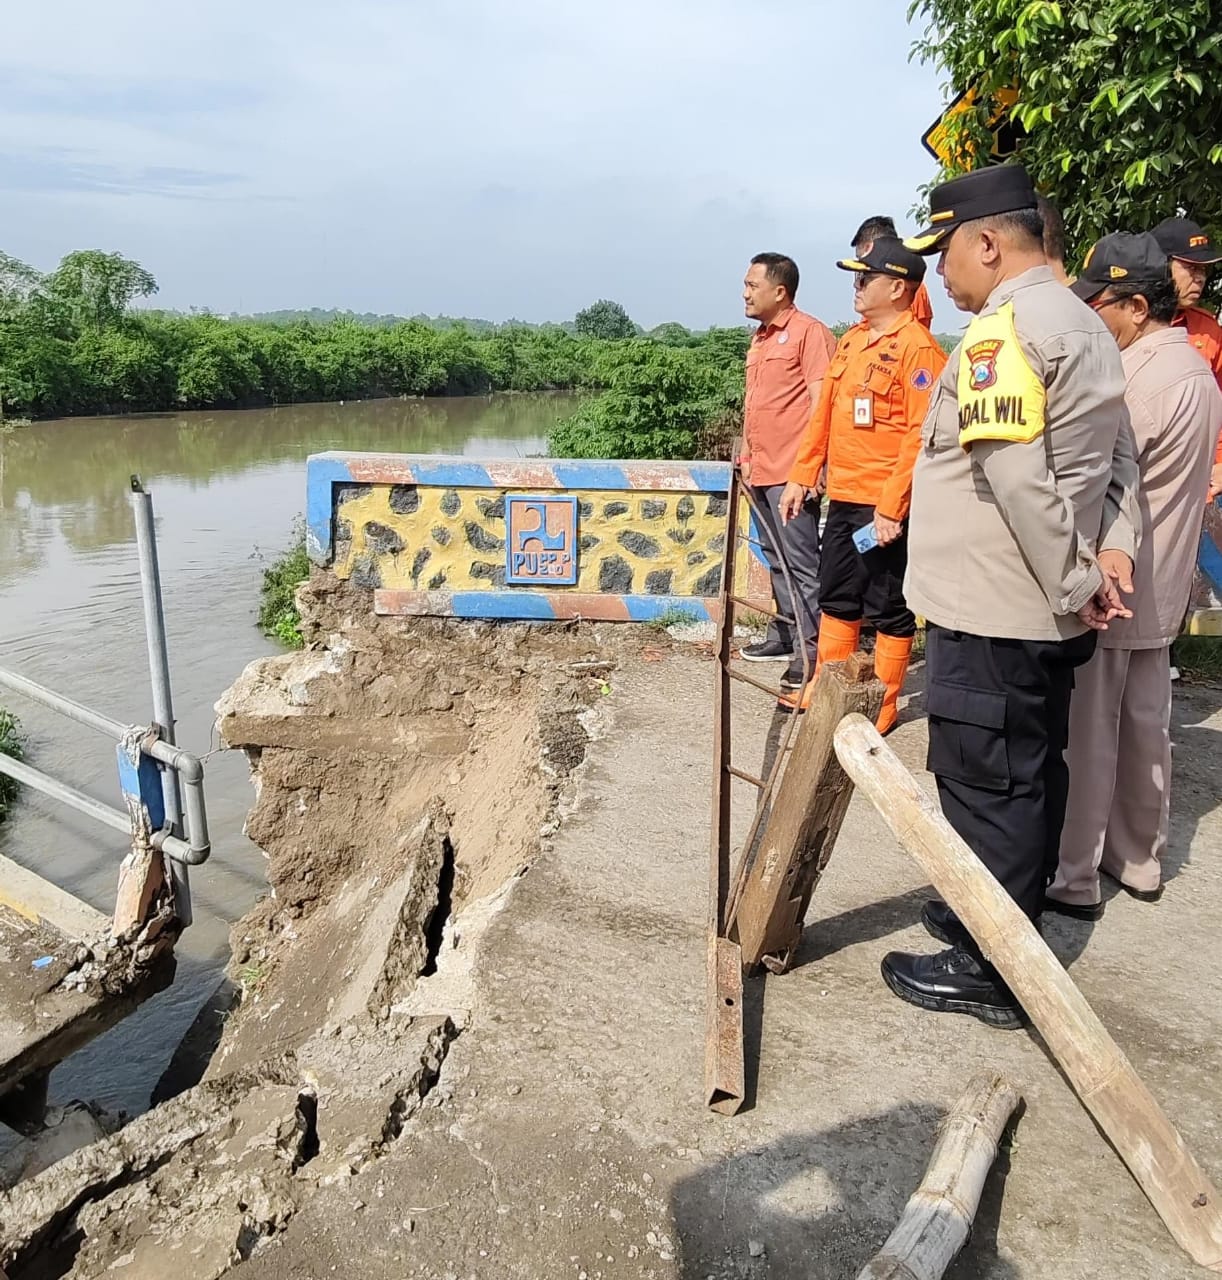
(863, 278)
(1096, 305)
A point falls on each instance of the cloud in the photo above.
(490, 158)
(55, 170)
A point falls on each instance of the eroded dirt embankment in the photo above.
(406, 773)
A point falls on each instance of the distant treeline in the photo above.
(71, 343)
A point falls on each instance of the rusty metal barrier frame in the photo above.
(724, 1069)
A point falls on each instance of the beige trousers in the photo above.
(1119, 774)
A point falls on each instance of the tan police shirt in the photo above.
(1026, 468)
(1176, 410)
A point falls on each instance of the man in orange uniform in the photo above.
(881, 227)
(867, 429)
(1191, 254)
(786, 361)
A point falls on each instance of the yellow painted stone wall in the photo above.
(433, 539)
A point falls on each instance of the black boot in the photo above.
(953, 981)
(940, 921)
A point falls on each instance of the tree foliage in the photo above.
(660, 401)
(606, 320)
(1120, 101)
(70, 343)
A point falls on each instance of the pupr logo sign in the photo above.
(540, 540)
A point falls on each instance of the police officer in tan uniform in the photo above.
(1023, 520)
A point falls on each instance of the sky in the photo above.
(490, 158)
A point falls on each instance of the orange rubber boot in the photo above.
(891, 658)
(837, 641)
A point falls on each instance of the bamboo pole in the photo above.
(937, 1219)
(1103, 1077)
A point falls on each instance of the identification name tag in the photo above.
(863, 411)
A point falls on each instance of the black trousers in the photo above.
(856, 585)
(998, 729)
(799, 539)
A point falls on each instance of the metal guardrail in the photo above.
(184, 836)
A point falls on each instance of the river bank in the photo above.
(517, 1093)
(226, 488)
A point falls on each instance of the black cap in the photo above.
(888, 257)
(1183, 238)
(1122, 258)
(1002, 188)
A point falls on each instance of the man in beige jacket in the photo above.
(1023, 521)
(1119, 726)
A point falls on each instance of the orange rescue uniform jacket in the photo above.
(1205, 334)
(893, 375)
(785, 366)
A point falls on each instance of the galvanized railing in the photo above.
(182, 834)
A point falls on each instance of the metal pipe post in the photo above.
(159, 671)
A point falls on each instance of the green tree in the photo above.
(99, 287)
(604, 319)
(658, 403)
(1120, 101)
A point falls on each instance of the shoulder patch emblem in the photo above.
(982, 359)
(921, 379)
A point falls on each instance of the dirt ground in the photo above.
(531, 1106)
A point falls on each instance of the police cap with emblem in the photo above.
(1003, 188)
(1121, 258)
(1182, 238)
(888, 257)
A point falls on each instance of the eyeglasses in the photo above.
(863, 278)
(1095, 305)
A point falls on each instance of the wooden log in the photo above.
(807, 812)
(938, 1217)
(1102, 1075)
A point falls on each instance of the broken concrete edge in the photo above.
(34, 1211)
(547, 684)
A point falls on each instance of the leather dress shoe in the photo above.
(953, 981)
(1074, 910)
(940, 921)
(1142, 895)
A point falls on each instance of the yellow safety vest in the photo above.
(1000, 396)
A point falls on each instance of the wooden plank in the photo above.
(806, 816)
(38, 900)
(1094, 1064)
(937, 1219)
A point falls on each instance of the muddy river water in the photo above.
(226, 488)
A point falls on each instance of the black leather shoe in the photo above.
(1142, 895)
(767, 651)
(953, 981)
(793, 677)
(940, 921)
(1074, 910)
